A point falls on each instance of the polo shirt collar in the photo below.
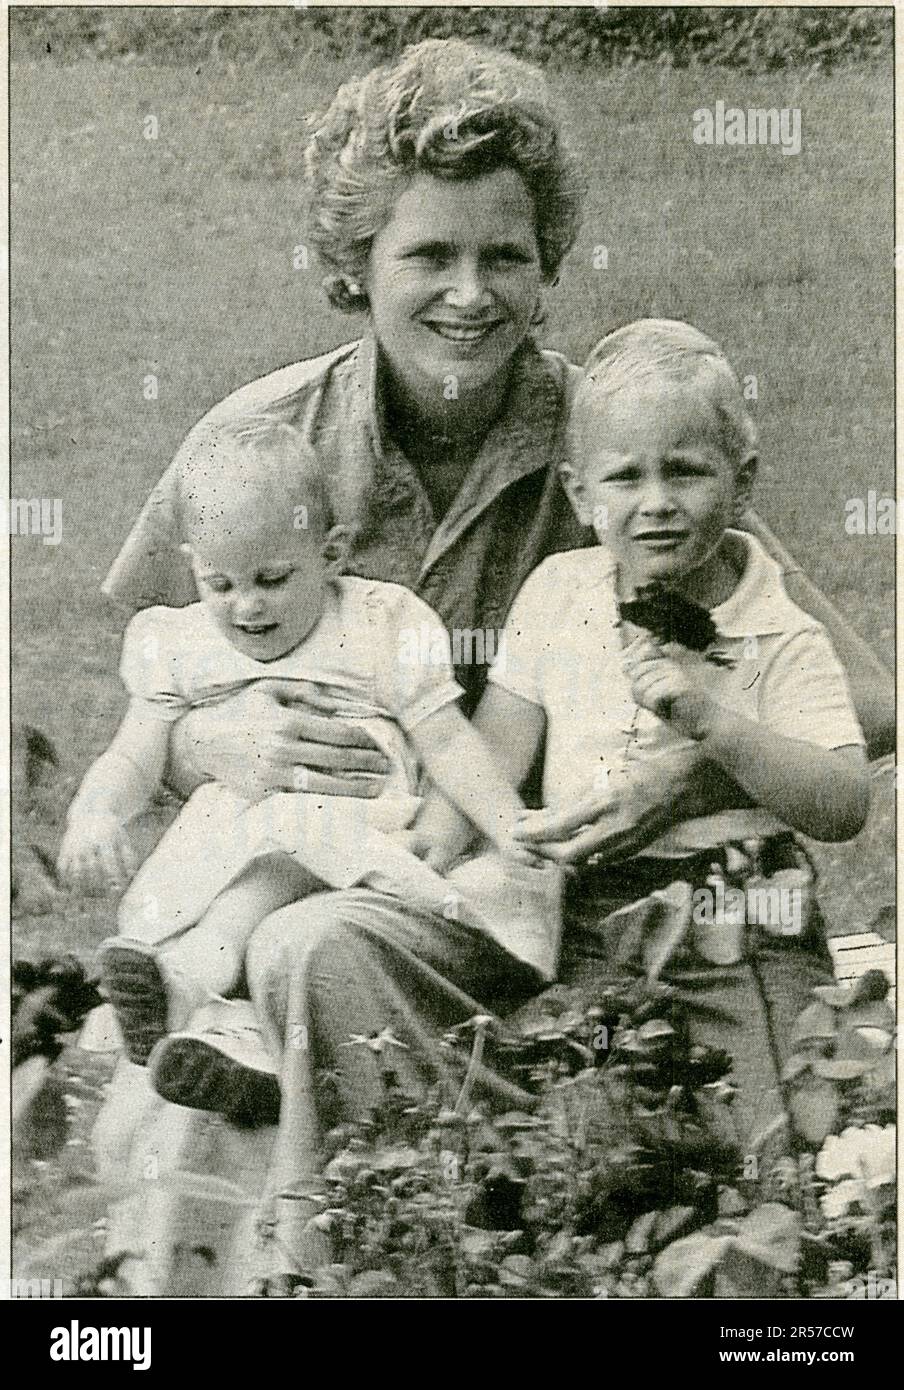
(758, 607)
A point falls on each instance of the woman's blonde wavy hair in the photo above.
(445, 108)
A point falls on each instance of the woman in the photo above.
(443, 205)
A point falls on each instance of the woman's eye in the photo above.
(511, 256)
(218, 586)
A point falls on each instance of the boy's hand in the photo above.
(660, 685)
(97, 854)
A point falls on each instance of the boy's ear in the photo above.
(336, 548)
(577, 494)
(744, 481)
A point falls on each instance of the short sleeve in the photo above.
(151, 568)
(414, 675)
(805, 693)
(525, 644)
(149, 666)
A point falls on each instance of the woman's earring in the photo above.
(353, 288)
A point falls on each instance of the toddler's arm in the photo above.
(96, 849)
(477, 785)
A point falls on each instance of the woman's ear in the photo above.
(186, 550)
(577, 494)
(336, 548)
(745, 476)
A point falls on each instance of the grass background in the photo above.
(174, 256)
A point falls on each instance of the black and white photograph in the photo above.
(452, 529)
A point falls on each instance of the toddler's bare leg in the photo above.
(214, 950)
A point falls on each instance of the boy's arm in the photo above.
(823, 792)
(871, 685)
(475, 768)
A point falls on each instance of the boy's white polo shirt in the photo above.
(562, 650)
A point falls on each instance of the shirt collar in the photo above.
(525, 438)
(758, 606)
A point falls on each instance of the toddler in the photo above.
(267, 559)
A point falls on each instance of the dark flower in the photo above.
(669, 617)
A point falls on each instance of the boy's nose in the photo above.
(656, 499)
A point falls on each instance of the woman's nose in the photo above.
(467, 290)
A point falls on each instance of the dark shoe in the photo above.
(134, 983)
(220, 1065)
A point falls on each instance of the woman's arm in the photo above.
(871, 685)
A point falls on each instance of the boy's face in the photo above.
(656, 483)
(263, 584)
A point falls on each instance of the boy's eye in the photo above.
(272, 581)
(684, 468)
(624, 475)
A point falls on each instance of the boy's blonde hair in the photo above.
(257, 463)
(676, 352)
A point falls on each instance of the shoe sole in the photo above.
(193, 1072)
(136, 988)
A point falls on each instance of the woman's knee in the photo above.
(294, 936)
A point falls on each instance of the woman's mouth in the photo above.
(465, 333)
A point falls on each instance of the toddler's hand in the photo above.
(512, 846)
(97, 854)
(660, 685)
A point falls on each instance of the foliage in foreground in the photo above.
(627, 1179)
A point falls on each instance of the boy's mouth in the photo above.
(256, 629)
(660, 539)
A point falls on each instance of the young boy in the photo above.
(274, 604)
(663, 461)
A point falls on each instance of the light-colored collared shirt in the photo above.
(563, 651)
(510, 513)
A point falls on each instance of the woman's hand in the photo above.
(276, 736)
(97, 854)
(607, 825)
(631, 812)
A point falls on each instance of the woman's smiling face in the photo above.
(452, 280)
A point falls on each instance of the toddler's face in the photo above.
(656, 481)
(263, 585)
